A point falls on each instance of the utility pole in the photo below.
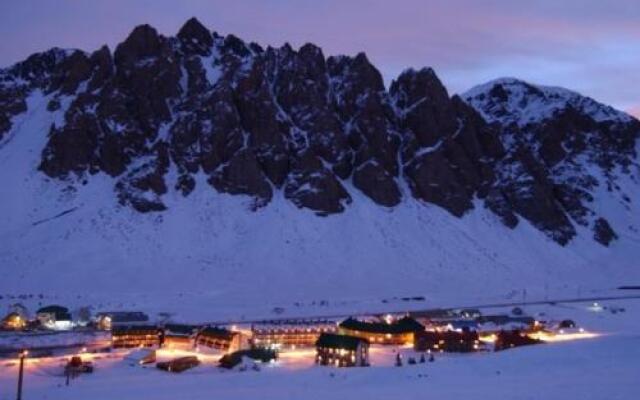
(23, 354)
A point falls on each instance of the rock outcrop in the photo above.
(322, 131)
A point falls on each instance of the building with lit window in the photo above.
(219, 340)
(54, 317)
(462, 341)
(398, 332)
(342, 350)
(291, 334)
(13, 321)
(135, 336)
(179, 336)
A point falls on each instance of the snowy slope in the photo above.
(530, 103)
(210, 250)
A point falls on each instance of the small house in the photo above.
(218, 339)
(179, 336)
(510, 339)
(462, 341)
(54, 317)
(397, 332)
(128, 336)
(342, 350)
(108, 319)
(13, 321)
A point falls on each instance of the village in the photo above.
(74, 342)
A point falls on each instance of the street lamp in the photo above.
(23, 355)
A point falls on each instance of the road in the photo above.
(425, 311)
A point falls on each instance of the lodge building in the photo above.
(135, 336)
(399, 332)
(214, 338)
(342, 350)
(447, 341)
(178, 336)
(290, 333)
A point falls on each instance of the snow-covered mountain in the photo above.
(201, 163)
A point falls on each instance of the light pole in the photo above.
(23, 354)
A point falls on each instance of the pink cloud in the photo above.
(635, 111)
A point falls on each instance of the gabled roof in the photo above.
(235, 358)
(339, 341)
(124, 316)
(53, 309)
(403, 325)
(217, 333)
(60, 313)
(180, 329)
(134, 329)
(11, 315)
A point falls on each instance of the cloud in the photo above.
(635, 111)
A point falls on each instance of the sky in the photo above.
(591, 46)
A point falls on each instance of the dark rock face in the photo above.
(552, 154)
(449, 151)
(243, 175)
(312, 186)
(602, 232)
(255, 121)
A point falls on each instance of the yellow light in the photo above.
(551, 337)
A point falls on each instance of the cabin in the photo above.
(129, 336)
(218, 339)
(108, 319)
(13, 321)
(292, 334)
(510, 339)
(54, 317)
(342, 350)
(463, 341)
(179, 336)
(399, 332)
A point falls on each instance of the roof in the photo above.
(141, 329)
(217, 333)
(55, 309)
(11, 315)
(462, 324)
(125, 316)
(180, 329)
(60, 313)
(339, 341)
(259, 354)
(403, 325)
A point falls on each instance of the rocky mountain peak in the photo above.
(322, 131)
(195, 38)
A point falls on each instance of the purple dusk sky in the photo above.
(591, 46)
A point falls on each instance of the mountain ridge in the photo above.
(260, 121)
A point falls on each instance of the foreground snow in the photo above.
(605, 367)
